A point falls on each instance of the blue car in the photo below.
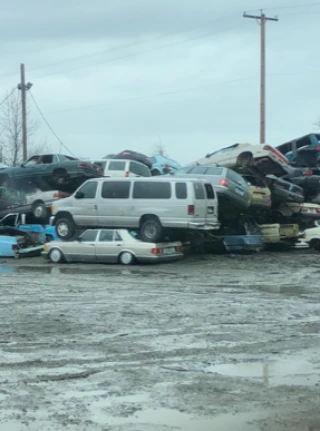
(242, 236)
(303, 151)
(162, 165)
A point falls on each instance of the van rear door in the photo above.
(199, 209)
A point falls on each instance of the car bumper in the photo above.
(51, 220)
(159, 258)
(45, 255)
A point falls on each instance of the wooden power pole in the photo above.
(24, 87)
(263, 19)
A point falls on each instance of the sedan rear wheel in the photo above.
(126, 258)
(39, 210)
(56, 255)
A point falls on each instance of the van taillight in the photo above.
(224, 182)
(190, 209)
(15, 247)
(127, 174)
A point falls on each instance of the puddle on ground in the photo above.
(286, 289)
(272, 373)
(167, 419)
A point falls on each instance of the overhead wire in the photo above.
(47, 123)
(8, 96)
(138, 53)
(301, 5)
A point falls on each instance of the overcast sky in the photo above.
(126, 74)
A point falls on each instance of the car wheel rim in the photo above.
(126, 258)
(62, 229)
(150, 231)
(38, 212)
(55, 256)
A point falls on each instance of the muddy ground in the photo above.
(210, 343)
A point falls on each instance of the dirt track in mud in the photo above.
(209, 343)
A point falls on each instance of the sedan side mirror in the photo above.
(79, 239)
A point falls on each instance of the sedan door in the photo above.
(83, 249)
(108, 246)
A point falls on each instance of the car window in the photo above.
(234, 176)
(117, 236)
(89, 190)
(106, 235)
(151, 190)
(48, 158)
(209, 191)
(198, 170)
(137, 169)
(115, 189)
(89, 236)
(32, 161)
(214, 171)
(183, 170)
(117, 166)
(198, 191)
(181, 191)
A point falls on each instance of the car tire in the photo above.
(56, 255)
(65, 228)
(126, 258)
(151, 230)
(60, 177)
(315, 244)
(39, 210)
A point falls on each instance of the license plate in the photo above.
(239, 191)
(169, 250)
(210, 210)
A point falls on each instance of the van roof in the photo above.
(153, 179)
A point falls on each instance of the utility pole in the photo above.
(24, 87)
(263, 19)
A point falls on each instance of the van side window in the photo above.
(140, 170)
(151, 190)
(89, 190)
(198, 170)
(198, 190)
(117, 166)
(115, 189)
(209, 191)
(181, 191)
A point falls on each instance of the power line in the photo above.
(8, 96)
(156, 95)
(136, 53)
(301, 5)
(50, 128)
(115, 48)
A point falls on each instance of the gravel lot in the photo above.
(209, 343)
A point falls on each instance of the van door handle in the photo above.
(95, 207)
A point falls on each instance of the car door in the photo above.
(85, 208)
(83, 249)
(108, 246)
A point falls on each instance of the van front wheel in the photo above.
(65, 228)
(151, 230)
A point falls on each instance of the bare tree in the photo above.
(160, 148)
(11, 131)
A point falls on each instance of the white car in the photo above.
(266, 159)
(111, 246)
(311, 237)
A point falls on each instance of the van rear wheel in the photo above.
(151, 230)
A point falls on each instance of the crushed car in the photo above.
(15, 242)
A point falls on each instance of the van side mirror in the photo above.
(79, 195)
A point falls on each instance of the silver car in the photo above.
(111, 246)
(233, 191)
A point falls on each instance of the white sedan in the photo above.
(111, 246)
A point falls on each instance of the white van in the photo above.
(154, 205)
(122, 168)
